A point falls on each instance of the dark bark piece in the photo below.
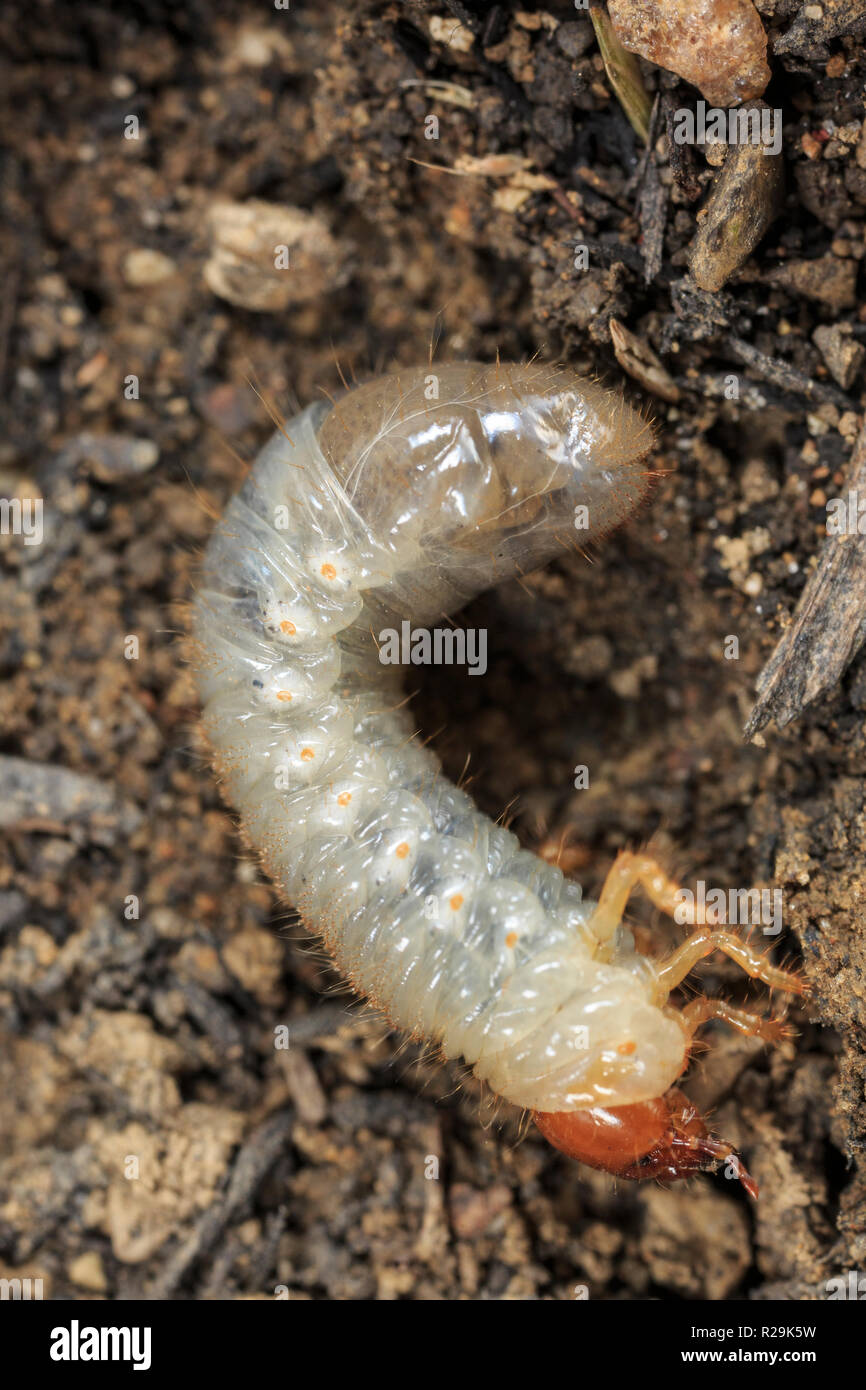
(683, 160)
(828, 628)
(652, 210)
(787, 378)
(815, 25)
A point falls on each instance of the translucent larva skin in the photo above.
(407, 498)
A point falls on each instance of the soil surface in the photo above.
(153, 1139)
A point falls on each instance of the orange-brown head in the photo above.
(664, 1139)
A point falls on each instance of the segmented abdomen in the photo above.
(437, 914)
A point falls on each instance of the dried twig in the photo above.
(780, 373)
(254, 1161)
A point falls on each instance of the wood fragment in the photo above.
(682, 158)
(307, 1030)
(638, 359)
(303, 1085)
(745, 198)
(787, 378)
(828, 627)
(652, 211)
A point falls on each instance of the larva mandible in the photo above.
(389, 506)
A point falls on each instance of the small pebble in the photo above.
(143, 267)
(449, 31)
(86, 1271)
(753, 584)
(266, 256)
(810, 146)
(842, 353)
(827, 279)
(717, 45)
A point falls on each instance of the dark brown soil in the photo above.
(152, 1139)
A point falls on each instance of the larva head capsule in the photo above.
(665, 1139)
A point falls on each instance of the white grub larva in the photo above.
(409, 496)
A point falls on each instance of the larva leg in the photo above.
(700, 1011)
(704, 941)
(629, 870)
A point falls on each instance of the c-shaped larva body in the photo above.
(407, 498)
